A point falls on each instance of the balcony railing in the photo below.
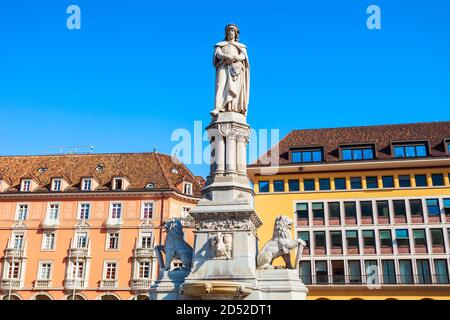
(13, 284)
(15, 253)
(43, 283)
(144, 252)
(71, 284)
(79, 252)
(114, 222)
(108, 284)
(140, 284)
(50, 223)
(340, 279)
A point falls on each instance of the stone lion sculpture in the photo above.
(174, 246)
(280, 245)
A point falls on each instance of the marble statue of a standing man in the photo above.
(232, 73)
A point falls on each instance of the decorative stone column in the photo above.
(230, 153)
(241, 154)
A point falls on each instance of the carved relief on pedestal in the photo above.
(221, 245)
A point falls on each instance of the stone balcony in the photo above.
(43, 283)
(70, 284)
(108, 284)
(14, 253)
(114, 222)
(140, 284)
(75, 253)
(13, 284)
(140, 253)
(50, 223)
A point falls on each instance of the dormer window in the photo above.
(447, 145)
(410, 150)
(118, 183)
(187, 188)
(306, 155)
(56, 185)
(357, 152)
(26, 185)
(86, 184)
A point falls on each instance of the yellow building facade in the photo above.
(372, 204)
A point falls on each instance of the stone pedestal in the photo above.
(167, 287)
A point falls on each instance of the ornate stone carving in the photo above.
(146, 224)
(221, 245)
(280, 245)
(82, 224)
(19, 225)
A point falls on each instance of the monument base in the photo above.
(167, 287)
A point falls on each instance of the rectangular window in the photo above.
(78, 270)
(263, 186)
(404, 181)
(321, 272)
(366, 209)
(365, 153)
(388, 181)
(278, 186)
(334, 209)
(369, 238)
(441, 271)
(340, 184)
(26, 185)
(45, 270)
(118, 183)
(372, 182)
(146, 240)
(294, 185)
(437, 179)
(336, 239)
(383, 208)
(14, 270)
(371, 267)
(410, 150)
(86, 184)
(185, 212)
(305, 272)
(18, 240)
(187, 188)
(81, 239)
(388, 272)
(302, 210)
(399, 207)
(437, 237)
(352, 238)
(305, 156)
(111, 271)
(447, 206)
(85, 209)
(116, 212)
(423, 271)
(338, 271)
(402, 238)
(416, 207)
(385, 238)
(354, 271)
(433, 207)
(309, 185)
(318, 211)
(147, 210)
(421, 180)
(405, 267)
(350, 209)
(53, 212)
(304, 235)
(324, 184)
(319, 239)
(22, 212)
(49, 241)
(144, 270)
(56, 184)
(113, 240)
(356, 183)
(419, 237)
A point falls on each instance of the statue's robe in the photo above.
(232, 80)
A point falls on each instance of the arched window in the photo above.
(109, 297)
(77, 297)
(42, 296)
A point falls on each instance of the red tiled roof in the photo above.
(139, 169)
(382, 136)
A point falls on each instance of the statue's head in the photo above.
(231, 32)
(174, 228)
(282, 227)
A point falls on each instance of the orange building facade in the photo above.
(85, 226)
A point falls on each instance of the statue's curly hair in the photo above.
(281, 228)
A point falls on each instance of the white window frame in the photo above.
(25, 182)
(183, 213)
(77, 237)
(43, 248)
(187, 184)
(105, 266)
(143, 204)
(18, 210)
(111, 207)
(54, 182)
(50, 204)
(145, 233)
(13, 239)
(115, 181)
(108, 237)
(83, 182)
(39, 273)
(138, 269)
(80, 208)
(8, 265)
(72, 270)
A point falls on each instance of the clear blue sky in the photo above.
(137, 70)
